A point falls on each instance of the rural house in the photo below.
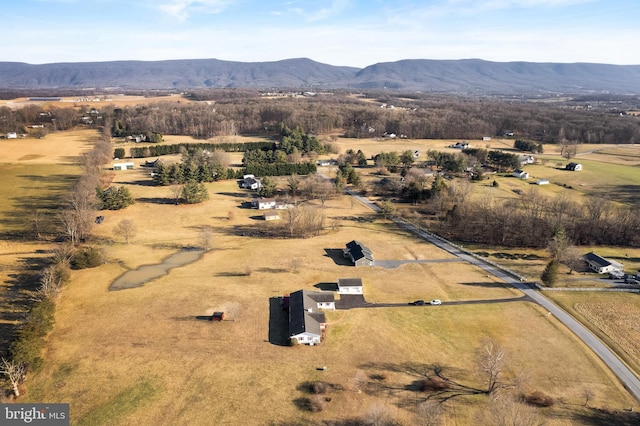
(263, 203)
(601, 265)
(526, 159)
(349, 285)
(326, 163)
(460, 145)
(359, 254)
(574, 167)
(520, 174)
(249, 182)
(307, 322)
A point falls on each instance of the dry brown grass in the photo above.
(611, 316)
(619, 321)
(140, 356)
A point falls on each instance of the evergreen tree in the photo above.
(549, 276)
(268, 188)
(194, 192)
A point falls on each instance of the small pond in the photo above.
(146, 273)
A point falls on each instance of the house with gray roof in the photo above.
(349, 285)
(307, 322)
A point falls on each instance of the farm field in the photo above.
(611, 316)
(141, 355)
(147, 344)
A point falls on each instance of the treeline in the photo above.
(418, 116)
(158, 150)
(280, 169)
(531, 220)
(413, 115)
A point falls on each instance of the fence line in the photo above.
(405, 223)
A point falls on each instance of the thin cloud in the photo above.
(182, 9)
(337, 7)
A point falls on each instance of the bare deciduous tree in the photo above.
(572, 258)
(176, 192)
(14, 372)
(378, 415)
(492, 360)
(205, 236)
(71, 225)
(359, 381)
(50, 283)
(37, 222)
(508, 412)
(429, 413)
(588, 396)
(127, 229)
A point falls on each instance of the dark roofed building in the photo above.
(574, 167)
(601, 265)
(359, 254)
(306, 320)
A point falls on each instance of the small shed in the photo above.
(217, 316)
(123, 166)
(271, 215)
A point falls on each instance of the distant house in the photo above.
(271, 215)
(12, 135)
(136, 138)
(123, 166)
(601, 265)
(574, 167)
(359, 254)
(249, 182)
(520, 174)
(349, 285)
(526, 159)
(460, 145)
(486, 138)
(263, 203)
(325, 163)
(283, 205)
(307, 322)
(542, 182)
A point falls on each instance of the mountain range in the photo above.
(465, 76)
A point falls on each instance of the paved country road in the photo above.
(626, 376)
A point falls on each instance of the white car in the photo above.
(435, 302)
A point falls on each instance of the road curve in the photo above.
(624, 374)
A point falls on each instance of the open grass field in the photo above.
(611, 316)
(140, 356)
(94, 101)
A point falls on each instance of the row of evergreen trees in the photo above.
(187, 172)
(158, 150)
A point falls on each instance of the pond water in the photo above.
(146, 273)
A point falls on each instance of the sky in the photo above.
(353, 33)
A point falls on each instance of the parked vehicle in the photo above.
(435, 302)
(417, 302)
